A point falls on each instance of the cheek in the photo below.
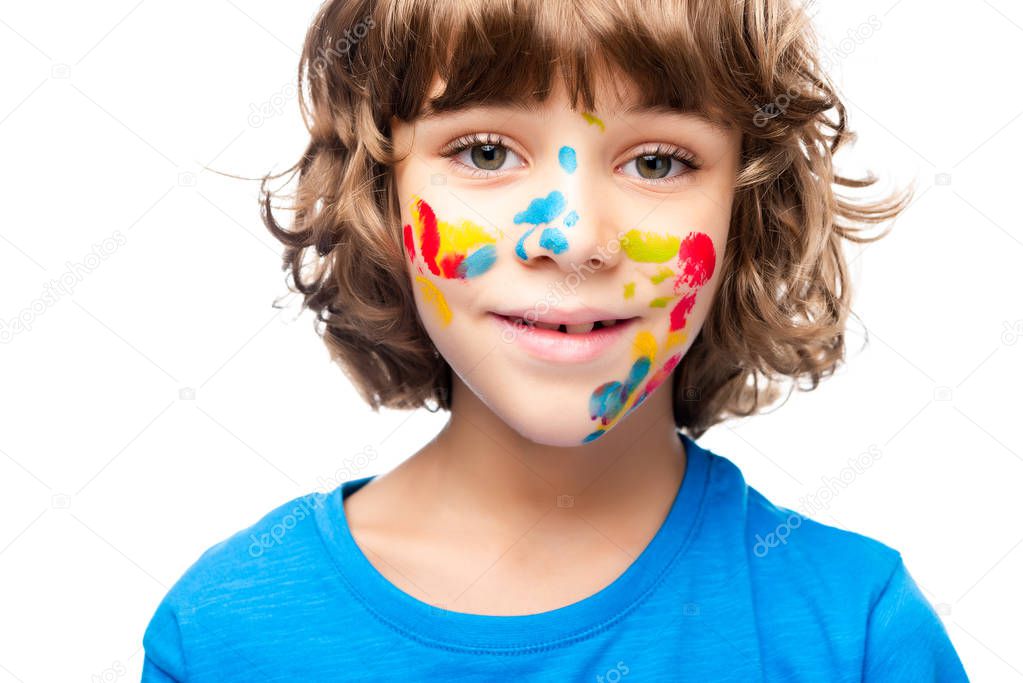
(440, 250)
(688, 264)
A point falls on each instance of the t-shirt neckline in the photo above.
(510, 633)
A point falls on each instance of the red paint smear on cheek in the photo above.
(449, 265)
(430, 238)
(410, 244)
(683, 308)
(696, 259)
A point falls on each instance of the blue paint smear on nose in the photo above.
(571, 219)
(477, 262)
(566, 157)
(542, 209)
(520, 249)
(553, 239)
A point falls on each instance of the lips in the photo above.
(575, 342)
(569, 328)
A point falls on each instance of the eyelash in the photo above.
(460, 144)
(677, 153)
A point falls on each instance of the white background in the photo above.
(113, 480)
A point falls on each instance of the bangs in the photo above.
(511, 51)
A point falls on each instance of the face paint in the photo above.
(655, 381)
(571, 219)
(593, 120)
(451, 251)
(542, 209)
(696, 259)
(520, 246)
(682, 309)
(553, 240)
(410, 243)
(612, 401)
(566, 157)
(649, 247)
(663, 274)
(436, 297)
(609, 399)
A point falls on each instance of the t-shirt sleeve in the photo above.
(906, 640)
(165, 657)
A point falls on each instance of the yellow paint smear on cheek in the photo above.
(644, 345)
(436, 297)
(663, 274)
(660, 302)
(630, 289)
(462, 238)
(675, 338)
(649, 247)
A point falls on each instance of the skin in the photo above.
(472, 522)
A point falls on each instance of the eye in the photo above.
(653, 166)
(481, 155)
(488, 157)
(661, 164)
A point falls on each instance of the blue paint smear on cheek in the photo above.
(571, 219)
(542, 209)
(520, 248)
(566, 157)
(636, 374)
(554, 240)
(606, 401)
(477, 262)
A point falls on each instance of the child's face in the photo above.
(550, 214)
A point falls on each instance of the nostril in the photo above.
(595, 262)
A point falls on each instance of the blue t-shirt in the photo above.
(731, 588)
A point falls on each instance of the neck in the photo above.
(479, 463)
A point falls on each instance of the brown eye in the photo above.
(488, 157)
(653, 166)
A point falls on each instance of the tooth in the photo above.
(581, 328)
(547, 326)
(608, 323)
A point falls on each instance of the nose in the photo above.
(570, 220)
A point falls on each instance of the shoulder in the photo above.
(260, 553)
(780, 540)
(849, 587)
(798, 566)
(785, 547)
(269, 566)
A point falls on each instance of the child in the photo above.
(590, 231)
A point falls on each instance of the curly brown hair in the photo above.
(783, 302)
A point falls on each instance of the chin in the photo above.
(541, 414)
(558, 433)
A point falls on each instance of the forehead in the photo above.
(615, 97)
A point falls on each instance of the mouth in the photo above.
(564, 342)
